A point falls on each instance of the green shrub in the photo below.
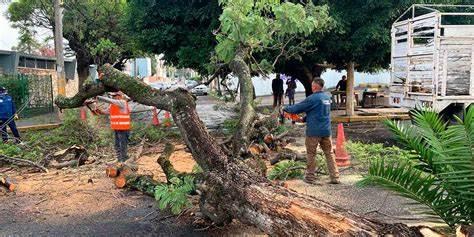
(149, 132)
(175, 194)
(287, 169)
(230, 126)
(364, 153)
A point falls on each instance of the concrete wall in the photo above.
(72, 86)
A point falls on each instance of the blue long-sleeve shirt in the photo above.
(318, 114)
(7, 107)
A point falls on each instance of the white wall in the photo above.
(263, 86)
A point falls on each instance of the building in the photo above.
(138, 67)
(12, 62)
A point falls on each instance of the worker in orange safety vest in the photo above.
(120, 121)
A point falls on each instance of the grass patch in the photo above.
(364, 153)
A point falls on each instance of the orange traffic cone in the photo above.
(155, 121)
(167, 119)
(83, 114)
(342, 158)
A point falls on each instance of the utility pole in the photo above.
(59, 48)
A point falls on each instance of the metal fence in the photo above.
(33, 93)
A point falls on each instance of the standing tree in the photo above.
(27, 42)
(250, 27)
(87, 25)
(181, 30)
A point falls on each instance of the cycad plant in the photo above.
(441, 173)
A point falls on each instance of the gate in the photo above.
(31, 93)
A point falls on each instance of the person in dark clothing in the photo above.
(277, 89)
(342, 84)
(290, 91)
(8, 116)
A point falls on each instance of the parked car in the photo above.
(200, 90)
(190, 83)
(159, 85)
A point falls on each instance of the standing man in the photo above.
(291, 90)
(277, 89)
(120, 122)
(341, 86)
(8, 116)
(318, 130)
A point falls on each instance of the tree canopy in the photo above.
(181, 30)
(94, 29)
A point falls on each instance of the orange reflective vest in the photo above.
(120, 120)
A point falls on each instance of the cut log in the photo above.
(230, 188)
(121, 179)
(7, 184)
(111, 171)
(256, 149)
(268, 139)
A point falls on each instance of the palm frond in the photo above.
(410, 137)
(446, 153)
(406, 181)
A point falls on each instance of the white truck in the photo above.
(432, 62)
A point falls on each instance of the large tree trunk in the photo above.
(247, 111)
(310, 74)
(231, 189)
(350, 89)
(82, 70)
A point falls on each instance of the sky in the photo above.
(8, 35)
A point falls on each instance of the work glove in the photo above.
(16, 117)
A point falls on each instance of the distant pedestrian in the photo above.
(318, 130)
(277, 89)
(291, 90)
(8, 116)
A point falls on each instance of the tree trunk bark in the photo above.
(231, 189)
(82, 72)
(308, 81)
(350, 89)
(247, 111)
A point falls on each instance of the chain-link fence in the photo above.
(33, 93)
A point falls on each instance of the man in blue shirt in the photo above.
(318, 130)
(8, 115)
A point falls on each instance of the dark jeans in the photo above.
(121, 142)
(277, 99)
(13, 128)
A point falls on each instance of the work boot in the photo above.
(335, 181)
(310, 179)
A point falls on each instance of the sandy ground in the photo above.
(84, 202)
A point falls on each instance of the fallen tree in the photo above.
(231, 189)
